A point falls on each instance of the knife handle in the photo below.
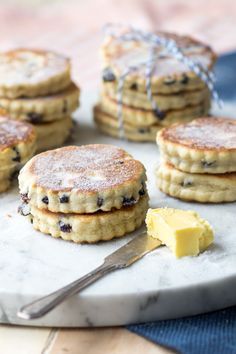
(43, 305)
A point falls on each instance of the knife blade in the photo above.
(121, 258)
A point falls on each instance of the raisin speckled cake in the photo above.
(17, 145)
(199, 160)
(134, 104)
(36, 87)
(85, 194)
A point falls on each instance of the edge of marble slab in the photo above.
(91, 311)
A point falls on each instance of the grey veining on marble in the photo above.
(156, 287)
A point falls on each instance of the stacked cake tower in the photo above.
(17, 146)
(198, 160)
(84, 194)
(146, 87)
(36, 86)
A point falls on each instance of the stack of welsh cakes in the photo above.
(179, 95)
(198, 160)
(36, 86)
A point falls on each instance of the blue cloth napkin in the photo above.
(203, 334)
(214, 332)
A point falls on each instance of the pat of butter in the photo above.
(183, 231)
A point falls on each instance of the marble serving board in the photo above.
(156, 287)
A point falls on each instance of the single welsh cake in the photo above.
(205, 145)
(85, 194)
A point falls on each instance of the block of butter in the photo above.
(183, 231)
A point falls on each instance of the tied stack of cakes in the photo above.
(178, 94)
(198, 160)
(36, 87)
(84, 194)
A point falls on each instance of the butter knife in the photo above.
(121, 258)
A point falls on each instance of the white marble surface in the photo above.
(156, 287)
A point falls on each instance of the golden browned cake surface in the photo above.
(27, 72)
(83, 179)
(13, 133)
(206, 133)
(113, 48)
(86, 168)
(169, 75)
(17, 145)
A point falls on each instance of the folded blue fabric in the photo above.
(203, 334)
(214, 332)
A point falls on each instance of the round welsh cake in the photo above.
(199, 187)
(17, 145)
(83, 179)
(42, 109)
(169, 75)
(31, 73)
(92, 227)
(205, 145)
(17, 142)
